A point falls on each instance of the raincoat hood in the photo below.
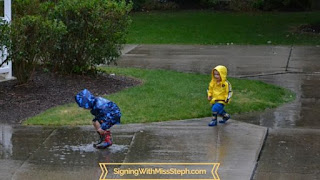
(85, 99)
(222, 71)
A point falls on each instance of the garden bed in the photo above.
(46, 90)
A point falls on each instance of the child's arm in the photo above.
(229, 90)
(209, 92)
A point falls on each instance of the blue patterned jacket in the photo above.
(106, 112)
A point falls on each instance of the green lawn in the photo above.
(168, 95)
(208, 27)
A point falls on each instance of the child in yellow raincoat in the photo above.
(219, 94)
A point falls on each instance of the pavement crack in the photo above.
(263, 74)
(260, 154)
(129, 149)
(289, 58)
(277, 73)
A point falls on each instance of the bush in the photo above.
(1, 8)
(33, 38)
(137, 5)
(159, 5)
(245, 5)
(22, 8)
(292, 5)
(96, 30)
(68, 36)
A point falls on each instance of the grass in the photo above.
(168, 95)
(208, 27)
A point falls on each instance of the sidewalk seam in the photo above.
(260, 154)
(289, 58)
(131, 143)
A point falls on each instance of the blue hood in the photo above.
(85, 99)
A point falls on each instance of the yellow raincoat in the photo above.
(220, 93)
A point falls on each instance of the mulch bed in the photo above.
(46, 90)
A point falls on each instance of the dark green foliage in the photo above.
(234, 5)
(66, 36)
(1, 8)
(33, 39)
(137, 4)
(96, 30)
(296, 5)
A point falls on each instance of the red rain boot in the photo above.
(107, 141)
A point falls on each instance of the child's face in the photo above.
(217, 75)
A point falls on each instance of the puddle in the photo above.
(87, 148)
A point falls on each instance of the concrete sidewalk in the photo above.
(67, 153)
(292, 146)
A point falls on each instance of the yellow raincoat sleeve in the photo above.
(210, 88)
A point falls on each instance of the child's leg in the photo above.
(96, 125)
(225, 117)
(216, 109)
(106, 139)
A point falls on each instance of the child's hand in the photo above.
(209, 98)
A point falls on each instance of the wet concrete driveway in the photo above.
(67, 152)
(292, 146)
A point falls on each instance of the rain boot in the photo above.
(100, 140)
(106, 142)
(213, 122)
(225, 118)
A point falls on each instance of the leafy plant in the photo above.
(32, 37)
(68, 36)
(96, 30)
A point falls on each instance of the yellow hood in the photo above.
(222, 71)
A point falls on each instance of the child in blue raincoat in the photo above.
(106, 114)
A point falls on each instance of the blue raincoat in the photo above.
(106, 112)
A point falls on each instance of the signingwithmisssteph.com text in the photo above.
(154, 171)
(172, 171)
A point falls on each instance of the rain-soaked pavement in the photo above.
(292, 147)
(67, 152)
(289, 134)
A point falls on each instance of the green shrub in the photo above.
(68, 36)
(1, 8)
(159, 5)
(137, 4)
(22, 8)
(245, 5)
(297, 5)
(33, 37)
(96, 30)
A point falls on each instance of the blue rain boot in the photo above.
(225, 118)
(213, 122)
